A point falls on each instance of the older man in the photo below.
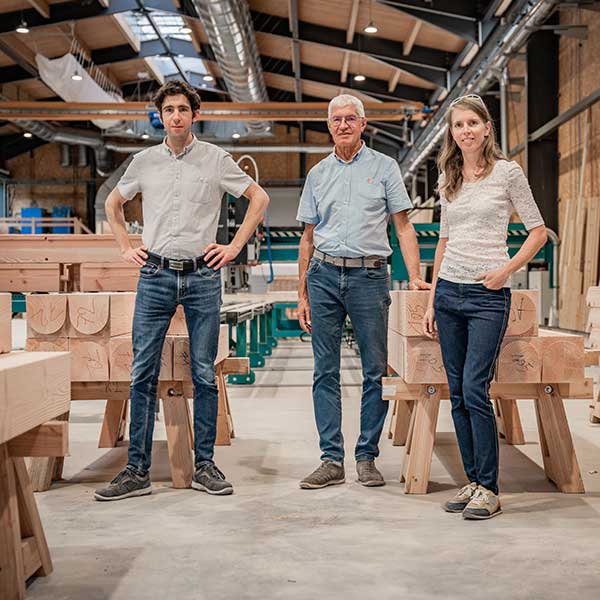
(346, 204)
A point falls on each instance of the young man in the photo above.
(181, 181)
(346, 204)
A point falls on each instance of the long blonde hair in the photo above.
(450, 158)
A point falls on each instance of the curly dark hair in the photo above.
(173, 88)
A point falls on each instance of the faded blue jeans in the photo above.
(363, 295)
(159, 292)
(471, 322)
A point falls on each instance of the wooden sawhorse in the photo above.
(556, 443)
(178, 422)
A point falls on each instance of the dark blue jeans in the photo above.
(363, 294)
(158, 294)
(471, 322)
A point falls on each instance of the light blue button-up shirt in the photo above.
(350, 203)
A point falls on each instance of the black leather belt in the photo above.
(339, 261)
(184, 264)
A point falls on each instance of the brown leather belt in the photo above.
(371, 262)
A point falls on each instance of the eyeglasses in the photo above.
(465, 97)
(351, 120)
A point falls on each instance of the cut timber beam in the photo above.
(41, 6)
(133, 40)
(154, 69)
(49, 439)
(345, 64)
(410, 42)
(394, 81)
(5, 322)
(352, 23)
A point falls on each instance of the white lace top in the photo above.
(476, 222)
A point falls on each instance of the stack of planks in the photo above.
(97, 329)
(593, 303)
(527, 355)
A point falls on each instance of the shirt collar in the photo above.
(186, 149)
(354, 158)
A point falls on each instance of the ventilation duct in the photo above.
(231, 35)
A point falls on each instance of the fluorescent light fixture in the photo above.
(28, 134)
(208, 77)
(371, 28)
(359, 77)
(235, 135)
(22, 27)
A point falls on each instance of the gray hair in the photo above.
(345, 100)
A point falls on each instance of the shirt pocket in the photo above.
(371, 193)
(199, 190)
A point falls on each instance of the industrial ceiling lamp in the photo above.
(208, 77)
(235, 135)
(359, 76)
(22, 26)
(28, 134)
(371, 28)
(76, 75)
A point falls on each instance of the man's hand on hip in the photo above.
(137, 256)
(304, 315)
(218, 255)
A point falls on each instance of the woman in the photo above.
(469, 303)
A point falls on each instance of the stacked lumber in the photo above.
(5, 323)
(593, 303)
(68, 263)
(527, 355)
(35, 389)
(97, 327)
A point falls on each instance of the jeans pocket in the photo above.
(377, 272)
(206, 272)
(149, 270)
(314, 265)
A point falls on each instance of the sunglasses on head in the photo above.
(465, 97)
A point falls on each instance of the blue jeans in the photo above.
(363, 294)
(159, 292)
(471, 322)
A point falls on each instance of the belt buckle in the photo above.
(176, 265)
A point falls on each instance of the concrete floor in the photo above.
(273, 540)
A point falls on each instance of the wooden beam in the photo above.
(20, 47)
(133, 40)
(154, 70)
(41, 6)
(49, 439)
(345, 65)
(211, 111)
(352, 24)
(394, 80)
(410, 42)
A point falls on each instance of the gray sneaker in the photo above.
(125, 485)
(208, 478)
(459, 502)
(328, 473)
(484, 505)
(368, 474)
